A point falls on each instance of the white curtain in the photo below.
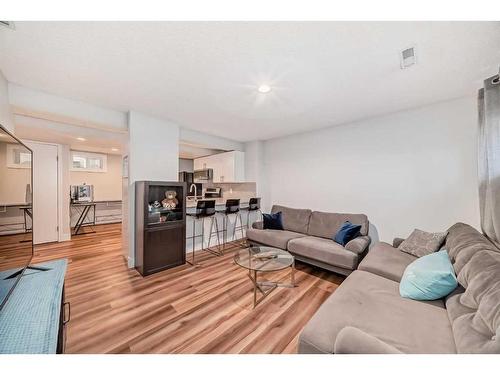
(489, 158)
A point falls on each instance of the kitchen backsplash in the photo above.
(237, 190)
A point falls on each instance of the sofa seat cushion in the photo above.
(324, 250)
(373, 305)
(272, 237)
(386, 261)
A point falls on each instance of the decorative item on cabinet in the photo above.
(160, 240)
(170, 200)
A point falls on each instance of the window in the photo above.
(88, 161)
(18, 157)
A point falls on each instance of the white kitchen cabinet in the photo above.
(227, 166)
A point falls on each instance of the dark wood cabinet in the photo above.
(160, 232)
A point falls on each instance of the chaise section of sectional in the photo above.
(366, 313)
(372, 305)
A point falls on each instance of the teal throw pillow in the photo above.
(428, 278)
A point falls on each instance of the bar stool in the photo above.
(232, 208)
(253, 206)
(205, 209)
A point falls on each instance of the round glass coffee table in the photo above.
(265, 259)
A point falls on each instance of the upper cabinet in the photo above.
(227, 166)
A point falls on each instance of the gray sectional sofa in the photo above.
(308, 236)
(366, 314)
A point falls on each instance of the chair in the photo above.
(253, 206)
(232, 208)
(204, 209)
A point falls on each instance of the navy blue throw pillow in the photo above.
(348, 231)
(273, 221)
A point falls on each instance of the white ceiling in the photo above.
(204, 75)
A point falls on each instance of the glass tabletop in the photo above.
(263, 258)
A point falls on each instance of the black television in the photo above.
(16, 212)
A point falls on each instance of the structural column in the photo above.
(153, 155)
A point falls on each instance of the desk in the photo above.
(15, 217)
(27, 212)
(84, 209)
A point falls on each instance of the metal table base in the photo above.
(266, 287)
(83, 219)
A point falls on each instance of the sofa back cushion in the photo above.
(294, 219)
(462, 242)
(482, 277)
(470, 333)
(474, 309)
(326, 224)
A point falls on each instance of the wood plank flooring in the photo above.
(202, 309)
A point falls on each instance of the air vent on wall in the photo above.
(408, 57)
(8, 24)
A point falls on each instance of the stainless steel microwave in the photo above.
(202, 175)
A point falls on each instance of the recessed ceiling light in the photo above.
(81, 139)
(264, 89)
(114, 149)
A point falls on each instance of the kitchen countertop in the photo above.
(218, 201)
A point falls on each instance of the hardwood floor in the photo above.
(202, 309)
(15, 251)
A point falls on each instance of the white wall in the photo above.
(153, 148)
(85, 114)
(153, 152)
(411, 169)
(14, 180)
(6, 118)
(186, 165)
(254, 165)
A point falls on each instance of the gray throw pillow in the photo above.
(421, 243)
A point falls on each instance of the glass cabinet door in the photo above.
(165, 204)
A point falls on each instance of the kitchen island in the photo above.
(220, 204)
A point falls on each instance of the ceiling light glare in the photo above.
(264, 89)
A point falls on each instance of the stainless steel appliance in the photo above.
(213, 192)
(203, 175)
(187, 177)
(82, 193)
